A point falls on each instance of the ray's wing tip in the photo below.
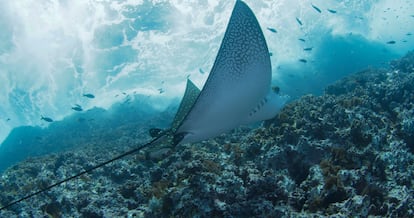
(241, 4)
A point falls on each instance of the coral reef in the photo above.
(347, 153)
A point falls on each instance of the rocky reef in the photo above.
(347, 153)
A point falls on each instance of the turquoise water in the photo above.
(52, 52)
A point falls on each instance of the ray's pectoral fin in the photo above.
(237, 89)
(190, 96)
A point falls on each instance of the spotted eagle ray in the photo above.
(237, 91)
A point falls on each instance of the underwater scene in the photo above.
(172, 108)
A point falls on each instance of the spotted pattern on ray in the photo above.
(239, 48)
(190, 95)
(238, 82)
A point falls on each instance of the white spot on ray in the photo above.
(236, 91)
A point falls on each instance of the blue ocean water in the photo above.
(77, 67)
(52, 52)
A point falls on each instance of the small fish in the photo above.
(332, 11)
(201, 71)
(302, 39)
(299, 21)
(161, 90)
(124, 93)
(270, 54)
(408, 34)
(316, 8)
(8, 119)
(412, 15)
(127, 100)
(276, 89)
(303, 60)
(391, 42)
(47, 119)
(77, 108)
(89, 95)
(308, 49)
(273, 30)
